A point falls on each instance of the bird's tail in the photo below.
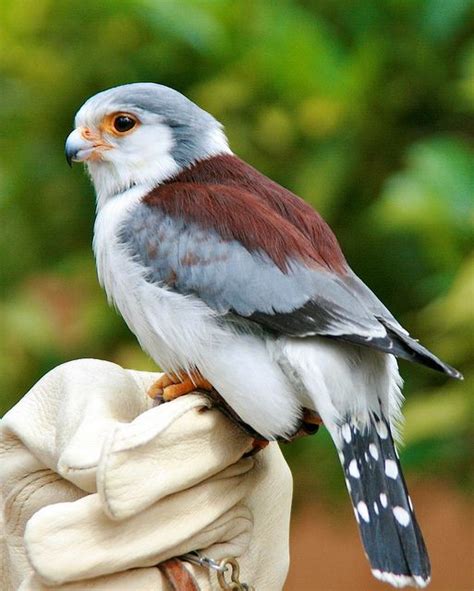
(383, 509)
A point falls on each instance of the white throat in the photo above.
(143, 160)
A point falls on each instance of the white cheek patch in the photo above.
(142, 157)
(144, 154)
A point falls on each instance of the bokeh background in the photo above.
(365, 108)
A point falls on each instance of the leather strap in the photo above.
(178, 575)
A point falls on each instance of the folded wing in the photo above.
(239, 255)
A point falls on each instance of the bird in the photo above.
(230, 281)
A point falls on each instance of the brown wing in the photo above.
(228, 170)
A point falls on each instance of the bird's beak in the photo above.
(82, 145)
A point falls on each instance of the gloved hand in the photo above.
(98, 486)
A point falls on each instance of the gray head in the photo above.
(141, 134)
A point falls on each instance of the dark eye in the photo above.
(124, 123)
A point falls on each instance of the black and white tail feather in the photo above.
(383, 509)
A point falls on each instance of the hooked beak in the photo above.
(82, 145)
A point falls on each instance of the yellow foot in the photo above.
(157, 388)
(187, 384)
(171, 386)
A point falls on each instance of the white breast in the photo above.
(175, 330)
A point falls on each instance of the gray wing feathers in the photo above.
(229, 278)
(236, 282)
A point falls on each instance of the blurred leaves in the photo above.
(433, 200)
(363, 108)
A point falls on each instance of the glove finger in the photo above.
(71, 541)
(66, 416)
(33, 492)
(163, 451)
(96, 396)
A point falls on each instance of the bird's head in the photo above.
(141, 134)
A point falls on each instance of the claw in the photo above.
(158, 387)
(258, 445)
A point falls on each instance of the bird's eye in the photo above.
(123, 123)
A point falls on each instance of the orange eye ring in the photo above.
(119, 124)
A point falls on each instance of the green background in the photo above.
(363, 108)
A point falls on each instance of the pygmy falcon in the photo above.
(229, 281)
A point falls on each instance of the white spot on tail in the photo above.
(346, 433)
(401, 515)
(420, 581)
(374, 452)
(348, 484)
(391, 469)
(410, 502)
(363, 511)
(376, 508)
(400, 580)
(383, 500)
(382, 430)
(356, 515)
(366, 457)
(354, 470)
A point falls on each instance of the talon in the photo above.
(158, 387)
(187, 383)
(258, 445)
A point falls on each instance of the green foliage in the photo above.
(363, 108)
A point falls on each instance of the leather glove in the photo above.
(99, 486)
